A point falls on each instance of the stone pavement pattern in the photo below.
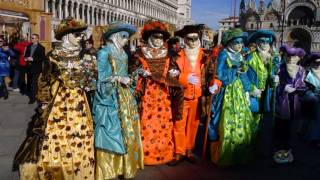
(15, 114)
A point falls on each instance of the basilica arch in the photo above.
(300, 37)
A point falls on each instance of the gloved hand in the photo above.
(144, 73)
(213, 89)
(193, 79)
(174, 73)
(256, 93)
(125, 80)
(289, 88)
(276, 79)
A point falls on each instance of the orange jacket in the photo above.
(190, 91)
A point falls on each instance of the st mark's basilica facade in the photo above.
(296, 22)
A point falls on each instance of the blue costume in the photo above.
(115, 111)
(232, 126)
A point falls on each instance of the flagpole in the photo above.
(234, 13)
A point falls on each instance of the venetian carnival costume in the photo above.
(157, 90)
(59, 143)
(288, 100)
(116, 118)
(264, 63)
(311, 100)
(232, 127)
(195, 66)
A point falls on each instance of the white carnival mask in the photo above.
(156, 40)
(120, 39)
(292, 67)
(192, 40)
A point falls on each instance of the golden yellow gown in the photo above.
(66, 151)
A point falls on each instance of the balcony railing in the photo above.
(21, 3)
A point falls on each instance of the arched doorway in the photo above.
(300, 37)
(301, 15)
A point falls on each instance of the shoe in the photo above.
(283, 156)
(16, 90)
(6, 96)
(190, 158)
(178, 159)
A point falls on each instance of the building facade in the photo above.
(225, 24)
(296, 22)
(24, 18)
(102, 12)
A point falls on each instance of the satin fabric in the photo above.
(237, 127)
(117, 128)
(66, 150)
(261, 76)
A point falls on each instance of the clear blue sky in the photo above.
(211, 11)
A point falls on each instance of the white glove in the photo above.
(213, 89)
(276, 79)
(193, 79)
(174, 73)
(289, 88)
(125, 80)
(144, 73)
(256, 93)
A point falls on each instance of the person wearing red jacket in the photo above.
(21, 68)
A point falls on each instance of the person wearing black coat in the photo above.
(35, 56)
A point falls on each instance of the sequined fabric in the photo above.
(67, 150)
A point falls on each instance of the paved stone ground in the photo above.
(15, 113)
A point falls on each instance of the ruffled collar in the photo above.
(313, 79)
(154, 53)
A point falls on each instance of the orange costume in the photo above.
(155, 93)
(185, 130)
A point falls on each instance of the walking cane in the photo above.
(204, 148)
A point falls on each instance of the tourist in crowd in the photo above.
(19, 84)
(34, 56)
(5, 54)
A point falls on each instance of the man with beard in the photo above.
(196, 75)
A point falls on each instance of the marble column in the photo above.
(53, 8)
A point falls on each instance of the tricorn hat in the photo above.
(69, 25)
(153, 27)
(187, 29)
(118, 26)
(313, 60)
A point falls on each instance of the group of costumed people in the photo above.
(148, 105)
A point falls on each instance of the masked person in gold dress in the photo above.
(59, 143)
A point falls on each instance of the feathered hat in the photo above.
(69, 25)
(152, 27)
(118, 26)
(262, 33)
(291, 51)
(232, 34)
